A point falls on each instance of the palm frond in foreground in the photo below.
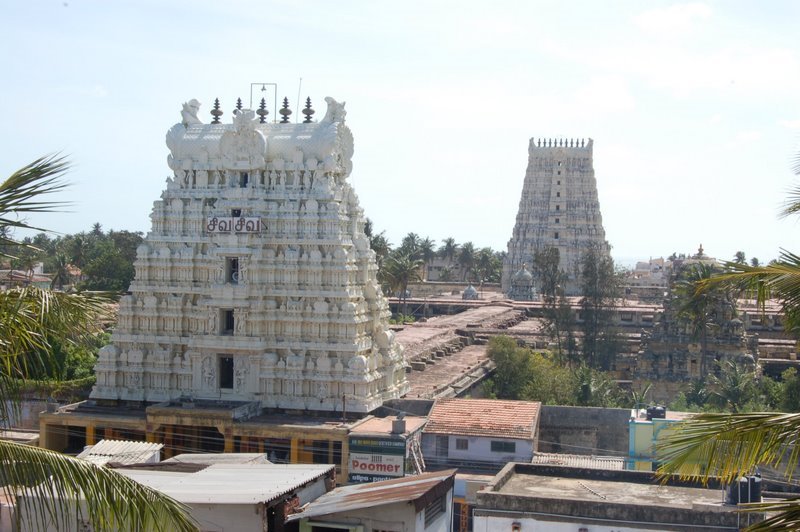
(729, 445)
(110, 501)
(22, 193)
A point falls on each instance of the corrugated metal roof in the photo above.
(219, 458)
(356, 496)
(577, 460)
(121, 451)
(484, 417)
(230, 483)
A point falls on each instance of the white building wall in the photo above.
(479, 449)
(531, 524)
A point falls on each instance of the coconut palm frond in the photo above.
(780, 279)
(30, 318)
(108, 500)
(729, 445)
(22, 193)
(784, 515)
(792, 203)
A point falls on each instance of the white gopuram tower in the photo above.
(558, 208)
(256, 282)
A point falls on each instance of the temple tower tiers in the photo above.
(256, 281)
(559, 208)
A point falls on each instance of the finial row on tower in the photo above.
(262, 111)
(560, 143)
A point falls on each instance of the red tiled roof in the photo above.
(484, 417)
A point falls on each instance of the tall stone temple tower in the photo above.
(559, 208)
(256, 282)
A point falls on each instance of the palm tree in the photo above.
(734, 387)
(29, 318)
(61, 275)
(427, 252)
(448, 249)
(697, 308)
(729, 445)
(402, 269)
(466, 259)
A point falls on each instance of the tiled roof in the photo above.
(484, 417)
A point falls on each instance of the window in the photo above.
(462, 444)
(244, 177)
(555, 235)
(559, 163)
(227, 322)
(558, 207)
(504, 447)
(558, 220)
(226, 372)
(433, 510)
(559, 172)
(558, 182)
(232, 270)
(558, 194)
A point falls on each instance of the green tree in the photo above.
(448, 249)
(698, 308)
(31, 318)
(466, 260)
(512, 372)
(401, 269)
(558, 316)
(601, 286)
(488, 266)
(427, 252)
(108, 269)
(739, 258)
(446, 275)
(60, 271)
(733, 388)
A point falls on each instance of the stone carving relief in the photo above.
(244, 148)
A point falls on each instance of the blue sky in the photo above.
(693, 106)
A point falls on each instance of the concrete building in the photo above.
(558, 208)
(526, 497)
(412, 504)
(646, 429)
(224, 496)
(385, 448)
(480, 434)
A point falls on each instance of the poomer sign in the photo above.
(373, 459)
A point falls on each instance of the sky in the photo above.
(693, 106)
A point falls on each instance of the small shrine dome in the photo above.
(469, 293)
(523, 276)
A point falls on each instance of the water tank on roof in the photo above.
(744, 490)
(656, 412)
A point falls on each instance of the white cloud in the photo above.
(790, 124)
(678, 18)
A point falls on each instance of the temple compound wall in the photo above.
(256, 282)
(558, 208)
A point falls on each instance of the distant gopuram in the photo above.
(558, 208)
(256, 282)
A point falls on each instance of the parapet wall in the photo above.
(584, 430)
